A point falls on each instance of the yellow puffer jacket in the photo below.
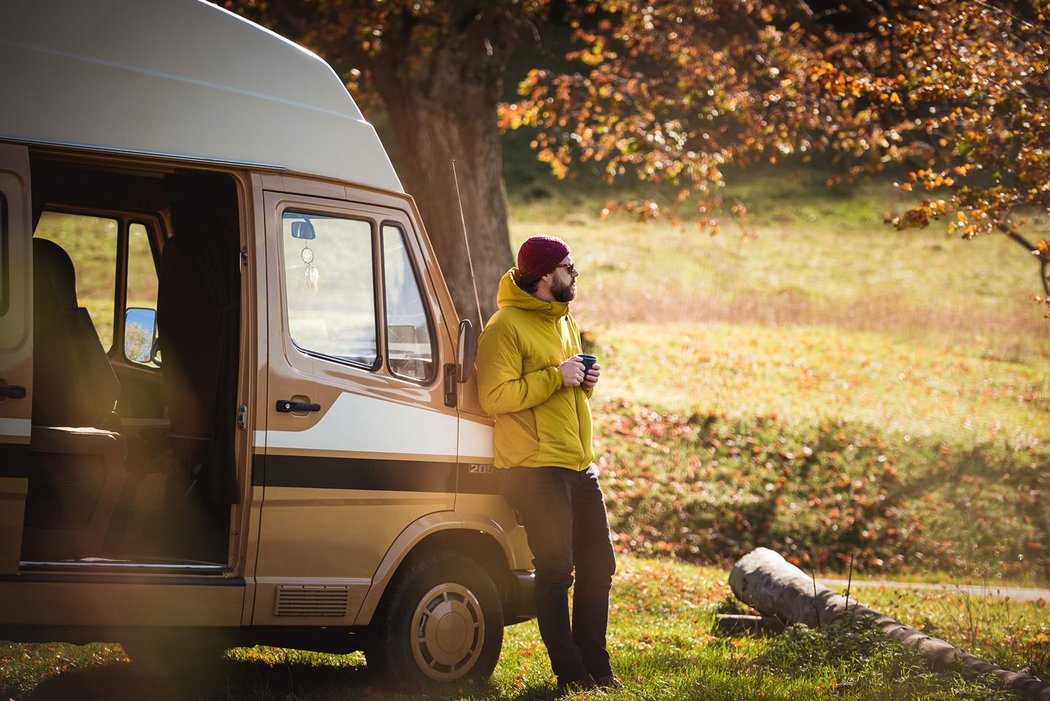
(538, 422)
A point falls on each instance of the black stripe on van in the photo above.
(14, 460)
(369, 474)
(354, 473)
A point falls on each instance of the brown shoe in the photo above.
(609, 681)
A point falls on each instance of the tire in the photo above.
(441, 621)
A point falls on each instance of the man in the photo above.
(531, 380)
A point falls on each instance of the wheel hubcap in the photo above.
(448, 630)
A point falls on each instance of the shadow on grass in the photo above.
(254, 680)
(114, 681)
(227, 680)
(237, 680)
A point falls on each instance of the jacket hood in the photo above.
(510, 295)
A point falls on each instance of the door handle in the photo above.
(287, 406)
(13, 391)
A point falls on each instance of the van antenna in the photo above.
(466, 240)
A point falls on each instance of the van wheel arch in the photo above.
(477, 545)
(439, 621)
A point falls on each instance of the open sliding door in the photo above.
(16, 349)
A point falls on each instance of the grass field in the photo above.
(662, 642)
(804, 255)
(814, 380)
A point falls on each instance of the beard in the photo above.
(563, 293)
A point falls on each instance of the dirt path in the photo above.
(1015, 593)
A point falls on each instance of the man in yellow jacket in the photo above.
(531, 379)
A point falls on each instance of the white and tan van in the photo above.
(235, 396)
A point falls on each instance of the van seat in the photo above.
(77, 467)
(73, 382)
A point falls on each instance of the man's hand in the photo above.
(592, 377)
(571, 372)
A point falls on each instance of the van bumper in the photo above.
(519, 602)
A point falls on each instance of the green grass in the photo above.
(814, 373)
(912, 367)
(804, 256)
(661, 639)
(1011, 633)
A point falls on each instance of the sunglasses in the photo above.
(571, 267)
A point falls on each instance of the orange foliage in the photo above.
(959, 92)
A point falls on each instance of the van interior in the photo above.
(136, 327)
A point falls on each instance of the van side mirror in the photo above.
(140, 335)
(466, 351)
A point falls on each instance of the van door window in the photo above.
(410, 349)
(91, 243)
(330, 287)
(5, 284)
(141, 292)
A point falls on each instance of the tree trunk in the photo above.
(439, 115)
(765, 580)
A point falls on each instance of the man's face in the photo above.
(563, 280)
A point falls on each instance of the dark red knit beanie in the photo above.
(540, 255)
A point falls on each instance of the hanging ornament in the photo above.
(310, 275)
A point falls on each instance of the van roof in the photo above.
(179, 78)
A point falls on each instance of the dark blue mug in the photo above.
(588, 361)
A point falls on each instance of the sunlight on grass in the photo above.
(815, 373)
(1015, 634)
(663, 647)
(804, 257)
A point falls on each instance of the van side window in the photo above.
(330, 287)
(141, 290)
(91, 243)
(5, 256)
(410, 351)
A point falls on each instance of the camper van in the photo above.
(236, 403)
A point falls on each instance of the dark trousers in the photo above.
(567, 528)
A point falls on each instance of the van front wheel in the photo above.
(440, 621)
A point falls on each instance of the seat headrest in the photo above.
(53, 274)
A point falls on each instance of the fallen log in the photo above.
(769, 583)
